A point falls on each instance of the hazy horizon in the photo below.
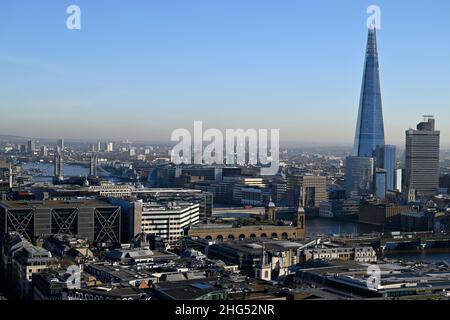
(138, 71)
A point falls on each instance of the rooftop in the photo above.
(54, 203)
(187, 289)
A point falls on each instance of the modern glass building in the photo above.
(390, 166)
(369, 128)
(386, 159)
(380, 183)
(359, 174)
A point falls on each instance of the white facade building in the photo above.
(170, 220)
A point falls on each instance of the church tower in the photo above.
(270, 211)
(300, 222)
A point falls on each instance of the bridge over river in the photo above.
(397, 240)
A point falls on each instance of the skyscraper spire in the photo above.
(370, 128)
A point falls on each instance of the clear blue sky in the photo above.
(139, 69)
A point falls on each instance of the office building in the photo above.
(131, 217)
(255, 196)
(31, 147)
(382, 214)
(109, 147)
(385, 158)
(44, 151)
(203, 173)
(398, 179)
(57, 167)
(416, 221)
(331, 209)
(202, 198)
(170, 221)
(20, 260)
(370, 129)
(279, 191)
(112, 190)
(93, 165)
(390, 165)
(95, 220)
(306, 190)
(230, 189)
(380, 183)
(60, 145)
(422, 159)
(359, 172)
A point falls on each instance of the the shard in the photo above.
(369, 128)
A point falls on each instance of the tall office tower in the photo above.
(57, 167)
(422, 159)
(44, 151)
(385, 159)
(31, 147)
(380, 183)
(399, 179)
(390, 165)
(93, 165)
(359, 173)
(61, 145)
(10, 176)
(109, 147)
(370, 128)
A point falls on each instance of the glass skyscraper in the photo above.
(359, 174)
(386, 159)
(369, 128)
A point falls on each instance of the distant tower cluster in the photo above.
(31, 147)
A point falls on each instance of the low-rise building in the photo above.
(25, 262)
(359, 254)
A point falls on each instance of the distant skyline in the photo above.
(138, 70)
